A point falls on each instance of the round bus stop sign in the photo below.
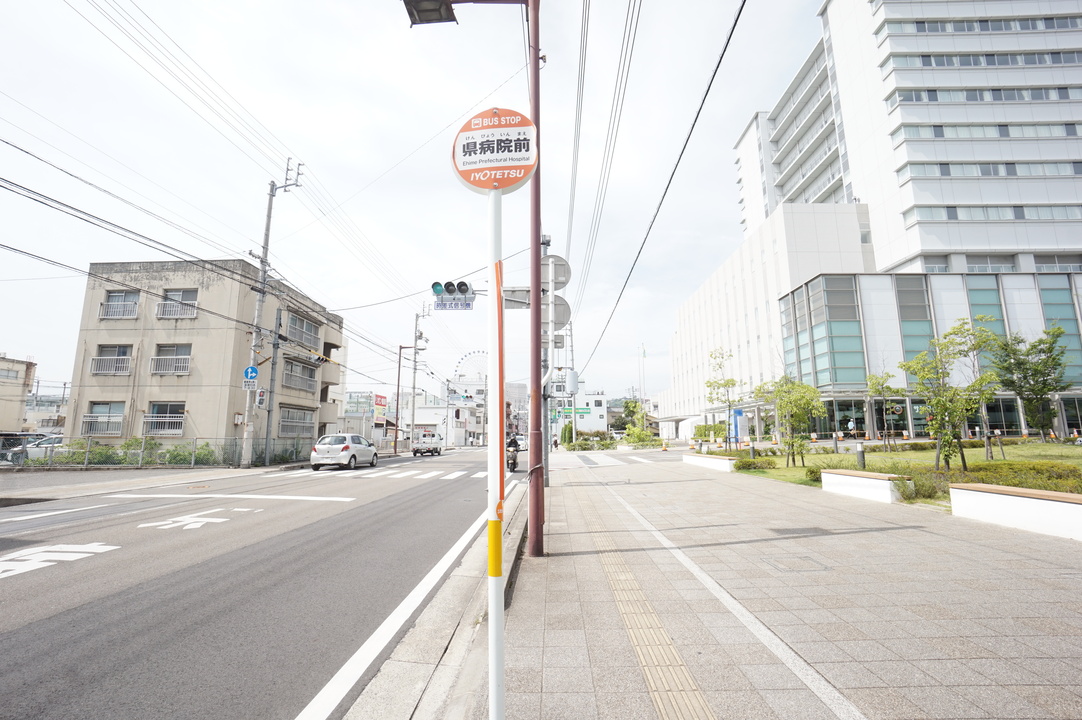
(496, 150)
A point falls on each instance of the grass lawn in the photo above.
(896, 462)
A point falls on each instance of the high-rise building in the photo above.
(923, 166)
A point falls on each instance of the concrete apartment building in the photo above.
(16, 383)
(163, 346)
(924, 165)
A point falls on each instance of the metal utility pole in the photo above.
(261, 293)
(417, 337)
(273, 379)
(535, 542)
(398, 396)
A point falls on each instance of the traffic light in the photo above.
(451, 288)
(261, 397)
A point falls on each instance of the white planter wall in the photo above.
(1050, 513)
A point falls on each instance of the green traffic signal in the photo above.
(437, 288)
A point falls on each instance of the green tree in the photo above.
(1033, 371)
(722, 390)
(566, 434)
(795, 406)
(879, 388)
(949, 405)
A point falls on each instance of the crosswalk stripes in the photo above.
(429, 475)
(395, 472)
(480, 474)
(406, 474)
(452, 476)
(642, 460)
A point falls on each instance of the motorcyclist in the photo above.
(512, 453)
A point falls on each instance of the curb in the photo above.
(437, 669)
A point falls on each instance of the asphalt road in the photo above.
(229, 597)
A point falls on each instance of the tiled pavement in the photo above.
(677, 592)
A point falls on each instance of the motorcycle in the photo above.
(512, 459)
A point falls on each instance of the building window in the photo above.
(990, 263)
(164, 418)
(1059, 310)
(936, 264)
(6, 373)
(299, 376)
(105, 419)
(984, 300)
(119, 304)
(597, 403)
(1024, 94)
(111, 360)
(303, 331)
(171, 360)
(1058, 263)
(178, 304)
(297, 422)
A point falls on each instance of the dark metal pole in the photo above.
(535, 543)
(273, 375)
(397, 396)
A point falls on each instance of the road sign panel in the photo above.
(453, 305)
(251, 372)
(556, 267)
(248, 384)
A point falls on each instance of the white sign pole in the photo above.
(494, 395)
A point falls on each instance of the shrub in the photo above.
(756, 464)
(1035, 475)
(814, 474)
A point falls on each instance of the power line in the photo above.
(668, 183)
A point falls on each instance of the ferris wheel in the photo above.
(473, 364)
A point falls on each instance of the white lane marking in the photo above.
(380, 472)
(480, 474)
(47, 514)
(188, 522)
(34, 558)
(452, 476)
(236, 497)
(406, 474)
(606, 460)
(838, 703)
(324, 703)
(291, 473)
(631, 457)
(429, 474)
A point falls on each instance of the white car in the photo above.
(344, 450)
(41, 448)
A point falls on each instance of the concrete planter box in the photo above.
(865, 485)
(714, 462)
(1039, 511)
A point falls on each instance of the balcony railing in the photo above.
(171, 309)
(172, 365)
(102, 426)
(110, 366)
(170, 425)
(116, 310)
(300, 382)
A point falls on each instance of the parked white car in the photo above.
(343, 449)
(41, 448)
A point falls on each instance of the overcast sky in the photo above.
(371, 107)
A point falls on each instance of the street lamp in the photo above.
(423, 12)
(435, 11)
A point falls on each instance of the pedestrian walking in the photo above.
(555, 443)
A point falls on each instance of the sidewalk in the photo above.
(671, 591)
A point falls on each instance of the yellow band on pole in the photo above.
(495, 548)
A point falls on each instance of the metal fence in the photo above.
(156, 452)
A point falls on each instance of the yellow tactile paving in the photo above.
(673, 690)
